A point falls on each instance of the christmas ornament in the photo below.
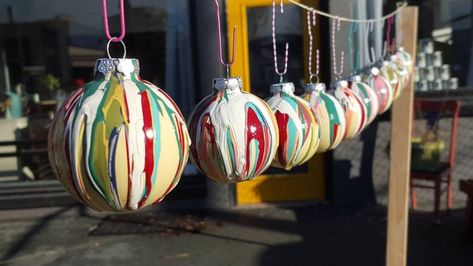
(298, 127)
(381, 87)
(329, 114)
(406, 59)
(234, 133)
(367, 95)
(355, 110)
(390, 72)
(119, 143)
(402, 72)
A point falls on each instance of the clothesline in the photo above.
(321, 13)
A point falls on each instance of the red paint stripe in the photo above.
(255, 130)
(70, 105)
(193, 125)
(283, 120)
(149, 138)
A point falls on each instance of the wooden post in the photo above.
(399, 173)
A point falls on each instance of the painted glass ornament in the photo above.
(390, 72)
(329, 113)
(406, 59)
(368, 96)
(355, 110)
(119, 143)
(403, 73)
(381, 87)
(234, 133)
(299, 134)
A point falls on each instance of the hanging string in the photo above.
(311, 21)
(122, 22)
(275, 52)
(334, 55)
(321, 13)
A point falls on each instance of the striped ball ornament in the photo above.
(381, 87)
(234, 133)
(299, 133)
(355, 110)
(329, 113)
(406, 59)
(367, 95)
(119, 143)
(389, 71)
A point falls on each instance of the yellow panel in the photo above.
(269, 188)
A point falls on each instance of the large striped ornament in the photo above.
(381, 87)
(390, 72)
(119, 143)
(234, 133)
(368, 96)
(329, 114)
(355, 110)
(299, 134)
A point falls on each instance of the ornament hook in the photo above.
(370, 50)
(342, 54)
(220, 54)
(275, 52)
(311, 21)
(122, 22)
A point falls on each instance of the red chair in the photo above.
(444, 173)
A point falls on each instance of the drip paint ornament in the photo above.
(119, 143)
(395, 74)
(406, 59)
(234, 134)
(355, 110)
(381, 87)
(329, 114)
(299, 133)
(367, 95)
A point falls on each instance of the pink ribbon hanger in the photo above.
(122, 22)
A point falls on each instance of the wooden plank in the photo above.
(401, 127)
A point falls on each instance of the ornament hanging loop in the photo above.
(114, 40)
(122, 22)
(220, 53)
(275, 51)
(311, 78)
